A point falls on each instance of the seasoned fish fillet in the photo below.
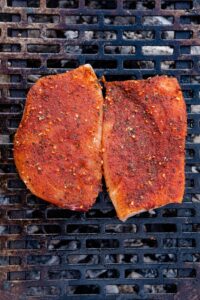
(144, 131)
(57, 147)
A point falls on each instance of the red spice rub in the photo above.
(57, 148)
(144, 133)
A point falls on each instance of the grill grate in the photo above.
(49, 253)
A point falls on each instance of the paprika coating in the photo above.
(144, 130)
(57, 147)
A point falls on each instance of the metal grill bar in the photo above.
(49, 253)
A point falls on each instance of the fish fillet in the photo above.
(57, 147)
(144, 131)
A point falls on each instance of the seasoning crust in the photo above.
(57, 147)
(144, 131)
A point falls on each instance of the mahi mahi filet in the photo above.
(144, 131)
(57, 147)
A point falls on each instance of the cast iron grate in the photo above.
(50, 253)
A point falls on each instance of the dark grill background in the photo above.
(50, 253)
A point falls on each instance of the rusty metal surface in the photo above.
(49, 253)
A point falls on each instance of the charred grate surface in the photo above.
(49, 253)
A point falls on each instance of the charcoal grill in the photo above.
(50, 253)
